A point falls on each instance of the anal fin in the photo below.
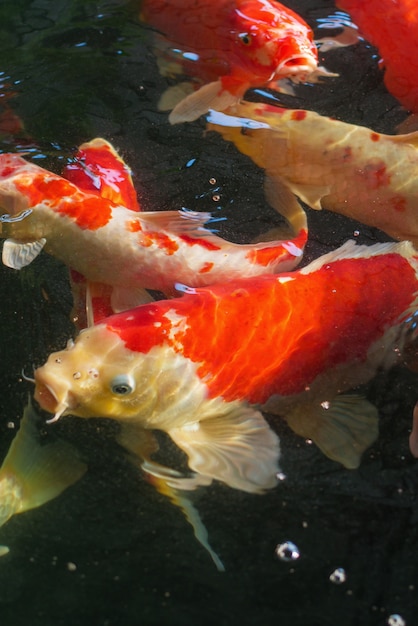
(342, 428)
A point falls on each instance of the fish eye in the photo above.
(122, 385)
(245, 38)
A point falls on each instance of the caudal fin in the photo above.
(42, 471)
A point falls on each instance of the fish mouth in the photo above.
(297, 68)
(48, 400)
(302, 69)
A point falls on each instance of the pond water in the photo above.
(328, 546)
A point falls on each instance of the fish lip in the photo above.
(297, 67)
(46, 397)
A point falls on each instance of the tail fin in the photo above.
(42, 471)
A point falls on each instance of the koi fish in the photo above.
(113, 245)
(33, 473)
(228, 46)
(203, 366)
(98, 168)
(393, 28)
(329, 164)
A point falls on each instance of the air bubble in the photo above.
(216, 197)
(287, 551)
(212, 181)
(326, 404)
(338, 576)
(396, 620)
(356, 233)
(77, 375)
(281, 476)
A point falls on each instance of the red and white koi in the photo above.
(329, 164)
(201, 367)
(113, 245)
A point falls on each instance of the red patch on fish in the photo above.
(88, 211)
(196, 241)
(289, 249)
(298, 115)
(134, 226)
(399, 203)
(161, 240)
(376, 175)
(98, 169)
(374, 136)
(206, 268)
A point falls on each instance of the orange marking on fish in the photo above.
(161, 240)
(194, 241)
(134, 226)
(374, 136)
(91, 214)
(376, 175)
(298, 115)
(288, 250)
(206, 268)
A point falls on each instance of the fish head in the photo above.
(95, 376)
(275, 41)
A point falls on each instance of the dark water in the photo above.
(111, 551)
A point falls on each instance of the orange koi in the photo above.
(228, 46)
(329, 164)
(391, 26)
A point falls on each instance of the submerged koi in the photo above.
(98, 168)
(392, 26)
(329, 164)
(112, 245)
(33, 473)
(201, 367)
(228, 46)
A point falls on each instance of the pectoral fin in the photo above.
(210, 96)
(236, 447)
(285, 203)
(142, 444)
(42, 471)
(310, 194)
(173, 95)
(343, 431)
(17, 254)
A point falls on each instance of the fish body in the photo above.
(113, 245)
(229, 46)
(329, 164)
(391, 26)
(35, 472)
(202, 366)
